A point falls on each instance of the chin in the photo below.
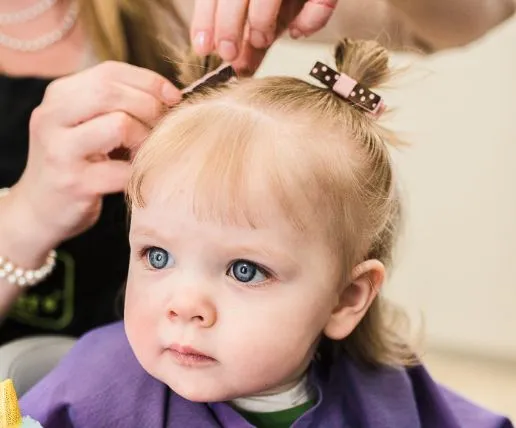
(196, 393)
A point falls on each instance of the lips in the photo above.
(189, 357)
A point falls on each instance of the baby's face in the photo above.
(223, 311)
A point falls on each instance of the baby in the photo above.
(263, 218)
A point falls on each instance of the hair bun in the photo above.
(366, 61)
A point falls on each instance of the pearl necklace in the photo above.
(27, 14)
(45, 40)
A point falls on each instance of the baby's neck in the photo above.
(297, 395)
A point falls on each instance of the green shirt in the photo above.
(280, 419)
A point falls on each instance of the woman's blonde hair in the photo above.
(323, 159)
(146, 33)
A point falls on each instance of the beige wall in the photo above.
(457, 262)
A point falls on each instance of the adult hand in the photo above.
(81, 120)
(243, 29)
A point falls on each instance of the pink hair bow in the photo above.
(349, 89)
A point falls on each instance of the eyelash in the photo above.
(266, 272)
(144, 251)
(143, 256)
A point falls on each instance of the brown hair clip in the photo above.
(224, 73)
(349, 89)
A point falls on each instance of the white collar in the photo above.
(299, 394)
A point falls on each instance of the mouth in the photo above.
(189, 357)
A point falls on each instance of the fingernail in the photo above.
(295, 33)
(258, 39)
(170, 93)
(227, 50)
(202, 43)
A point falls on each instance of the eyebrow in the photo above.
(246, 250)
(146, 231)
(261, 250)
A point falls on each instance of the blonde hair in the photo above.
(146, 33)
(322, 157)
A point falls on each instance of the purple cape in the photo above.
(101, 384)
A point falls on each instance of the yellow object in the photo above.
(10, 415)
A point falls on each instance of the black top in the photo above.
(85, 289)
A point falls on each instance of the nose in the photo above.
(191, 308)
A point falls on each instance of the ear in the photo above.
(355, 299)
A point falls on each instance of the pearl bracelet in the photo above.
(22, 277)
(25, 277)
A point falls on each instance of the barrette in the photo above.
(224, 73)
(349, 89)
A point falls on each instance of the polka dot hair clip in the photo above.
(349, 89)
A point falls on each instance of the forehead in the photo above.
(241, 202)
(234, 166)
(244, 178)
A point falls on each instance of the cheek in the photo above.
(283, 329)
(269, 348)
(134, 305)
(140, 315)
(142, 294)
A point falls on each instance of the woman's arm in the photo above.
(421, 24)
(69, 170)
(448, 23)
(21, 240)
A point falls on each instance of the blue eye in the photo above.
(246, 271)
(158, 258)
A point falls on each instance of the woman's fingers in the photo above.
(313, 17)
(202, 30)
(109, 176)
(112, 98)
(105, 133)
(138, 78)
(111, 87)
(230, 18)
(221, 25)
(263, 17)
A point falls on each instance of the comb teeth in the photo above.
(10, 415)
